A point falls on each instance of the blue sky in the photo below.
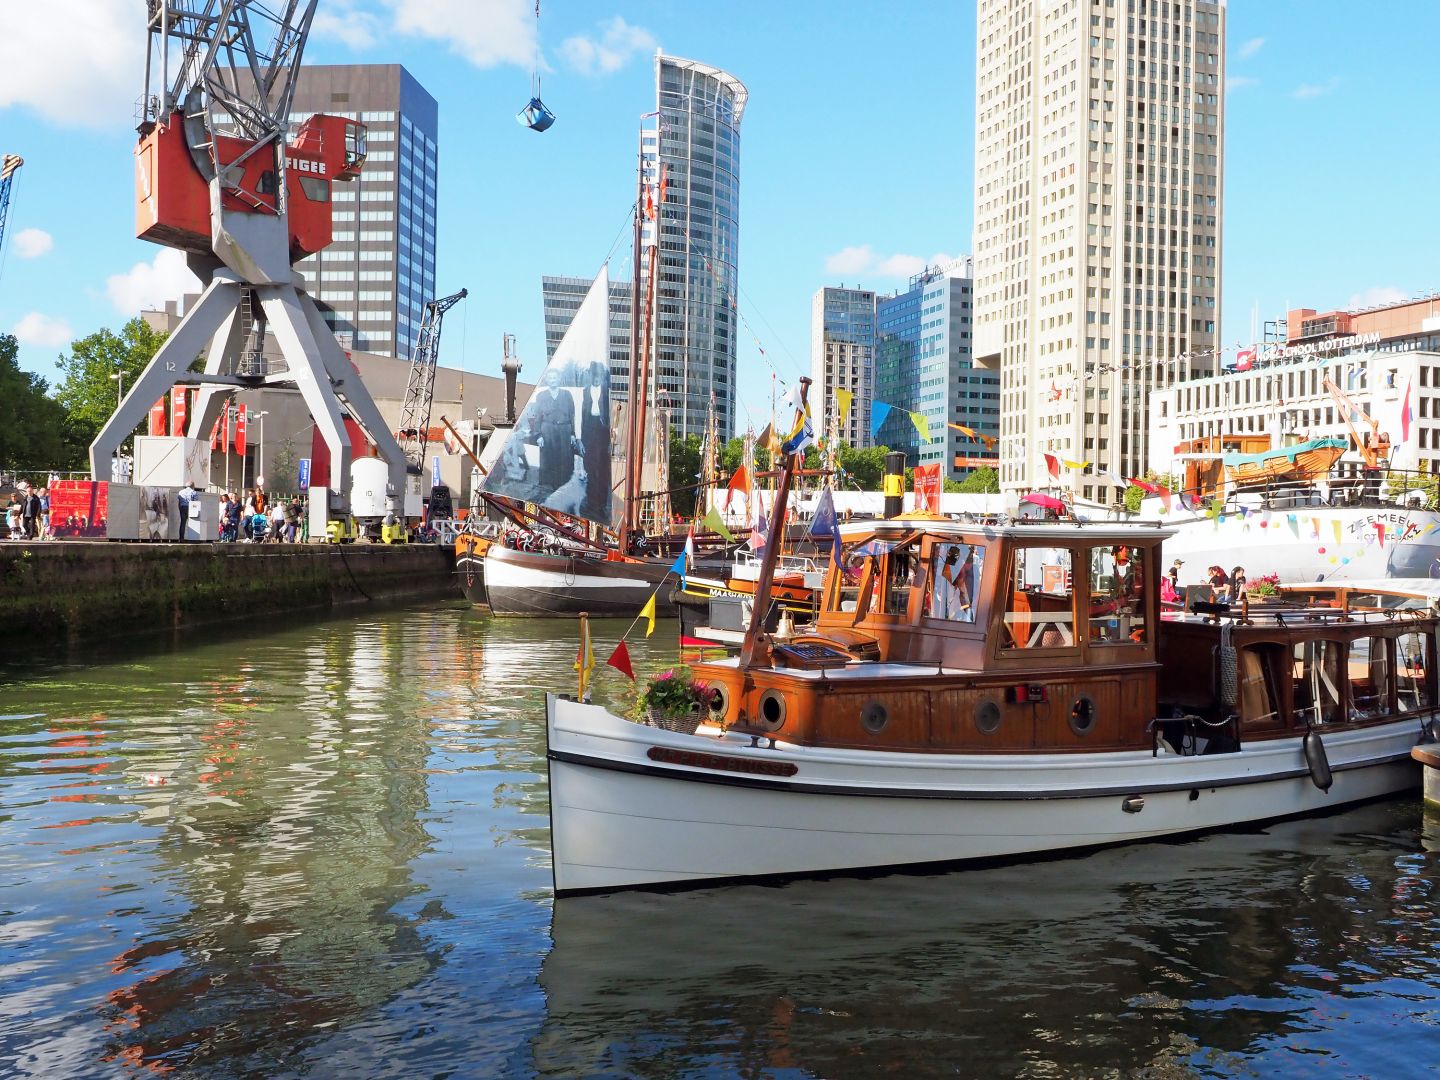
(856, 155)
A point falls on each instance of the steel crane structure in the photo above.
(220, 177)
(1374, 447)
(420, 388)
(9, 166)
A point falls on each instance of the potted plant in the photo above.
(673, 700)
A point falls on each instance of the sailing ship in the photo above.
(973, 692)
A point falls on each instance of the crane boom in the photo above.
(9, 166)
(1374, 447)
(420, 388)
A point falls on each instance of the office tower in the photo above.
(924, 365)
(1098, 187)
(697, 147)
(842, 357)
(562, 297)
(373, 282)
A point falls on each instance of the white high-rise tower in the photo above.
(1099, 149)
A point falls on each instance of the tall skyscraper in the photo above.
(373, 282)
(697, 148)
(924, 365)
(842, 357)
(1099, 142)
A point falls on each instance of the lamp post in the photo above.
(119, 379)
(260, 448)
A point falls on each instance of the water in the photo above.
(323, 851)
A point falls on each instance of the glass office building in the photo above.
(374, 280)
(842, 357)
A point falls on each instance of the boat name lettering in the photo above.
(719, 761)
(1404, 528)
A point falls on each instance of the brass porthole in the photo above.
(873, 717)
(987, 717)
(718, 701)
(1083, 715)
(772, 710)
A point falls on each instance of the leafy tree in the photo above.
(684, 472)
(982, 481)
(864, 466)
(86, 391)
(32, 424)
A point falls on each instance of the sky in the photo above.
(856, 156)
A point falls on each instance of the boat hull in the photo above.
(470, 567)
(633, 806)
(539, 584)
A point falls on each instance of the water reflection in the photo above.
(1157, 960)
(324, 851)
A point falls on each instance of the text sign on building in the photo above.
(304, 474)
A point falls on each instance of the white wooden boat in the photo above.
(1036, 702)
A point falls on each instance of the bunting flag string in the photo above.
(922, 425)
(969, 432)
(878, 412)
(844, 398)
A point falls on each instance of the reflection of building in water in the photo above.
(1204, 940)
(289, 858)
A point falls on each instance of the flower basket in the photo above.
(685, 723)
(673, 701)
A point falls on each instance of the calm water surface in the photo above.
(323, 851)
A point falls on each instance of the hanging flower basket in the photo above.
(673, 701)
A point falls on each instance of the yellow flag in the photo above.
(1075, 464)
(648, 612)
(843, 398)
(922, 425)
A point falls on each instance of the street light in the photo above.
(260, 449)
(119, 378)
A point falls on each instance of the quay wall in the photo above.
(76, 591)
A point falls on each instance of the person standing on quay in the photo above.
(30, 513)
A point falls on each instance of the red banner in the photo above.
(79, 507)
(178, 410)
(927, 487)
(240, 431)
(157, 418)
(215, 434)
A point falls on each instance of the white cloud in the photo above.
(862, 259)
(347, 22)
(1306, 91)
(1251, 47)
(1375, 297)
(46, 331)
(617, 44)
(488, 33)
(1240, 82)
(149, 285)
(32, 243)
(79, 69)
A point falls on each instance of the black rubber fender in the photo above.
(1316, 760)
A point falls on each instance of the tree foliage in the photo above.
(982, 481)
(86, 391)
(32, 424)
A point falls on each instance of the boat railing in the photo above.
(1408, 488)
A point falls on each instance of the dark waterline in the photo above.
(323, 851)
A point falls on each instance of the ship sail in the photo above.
(559, 454)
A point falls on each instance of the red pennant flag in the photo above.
(1164, 493)
(1052, 465)
(739, 481)
(620, 661)
(1380, 532)
(177, 409)
(157, 418)
(215, 434)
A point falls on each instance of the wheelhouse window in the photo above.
(1412, 681)
(1260, 669)
(953, 580)
(1040, 608)
(1319, 677)
(1369, 678)
(901, 566)
(1117, 596)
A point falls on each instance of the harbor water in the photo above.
(321, 849)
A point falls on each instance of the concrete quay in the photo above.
(79, 591)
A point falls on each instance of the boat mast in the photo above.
(634, 464)
(772, 544)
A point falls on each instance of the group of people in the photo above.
(1226, 588)
(257, 519)
(27, 517)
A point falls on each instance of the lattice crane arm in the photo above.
(420, 387)
(1375, 447)
(9, 166)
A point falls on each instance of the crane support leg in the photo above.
(284, 308)
(171, 360)
(361, 405)
(209, 400)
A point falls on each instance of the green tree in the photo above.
(87, 392)
(684, 472)
(864, 466)
(32, 424)
(982, 481)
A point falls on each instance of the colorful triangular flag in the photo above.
(648, 613)
(620, 661)
(716, 524)
(844, 398)
(922, 425)
(878, 412)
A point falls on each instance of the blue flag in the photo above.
(878, 411)
(823, 523)
(678, 566)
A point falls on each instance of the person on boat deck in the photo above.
(555, 434)
(1219, 584)
(595, 442)
(1237, 582)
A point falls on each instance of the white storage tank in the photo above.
(368, 478)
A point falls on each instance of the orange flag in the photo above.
(739, 481)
